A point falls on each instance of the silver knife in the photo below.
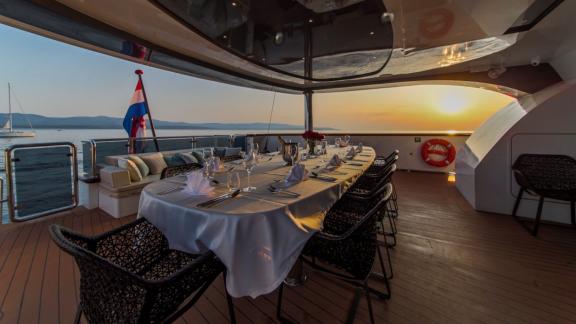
(219, 199)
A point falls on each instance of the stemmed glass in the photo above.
(233, 181)
(249, 162)
(293, 154)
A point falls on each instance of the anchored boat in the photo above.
(7, 130)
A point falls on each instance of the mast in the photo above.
(9, 108)
(139, 73)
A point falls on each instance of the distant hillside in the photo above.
(104, 122)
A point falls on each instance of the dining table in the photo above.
(258, 235)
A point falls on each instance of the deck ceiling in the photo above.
(350, 43)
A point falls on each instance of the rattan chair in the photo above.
(366, 184)
(179, 170)
(347, 250)
(129, 275)
(547, 176)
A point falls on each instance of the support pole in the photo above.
(139, 73)
(308, 111)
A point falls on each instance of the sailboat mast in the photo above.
(9, 107)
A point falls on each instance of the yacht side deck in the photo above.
(451, 264)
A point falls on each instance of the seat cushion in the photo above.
(155, 162)
(135, 175)
(189, 158)
(144, 169)
(174, 160)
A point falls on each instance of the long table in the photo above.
(258, 235)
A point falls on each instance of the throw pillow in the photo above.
(188, 158)
(155, 162)
(200, 157)
(144, 169)
(174, 160)
(135, 175)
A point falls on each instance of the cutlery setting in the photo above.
(170, 190)
(277, 190)
(316, 176)
(215, 201)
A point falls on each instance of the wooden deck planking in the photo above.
(452, 264)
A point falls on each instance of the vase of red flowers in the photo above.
(312, 137)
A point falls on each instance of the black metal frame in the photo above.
(358, 278)
(531, 174)
(138, 273)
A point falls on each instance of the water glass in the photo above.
(233, 181)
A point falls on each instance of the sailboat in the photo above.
(7, 131)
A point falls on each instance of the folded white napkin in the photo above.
(343, 143)
(297, 173)
(197, 184)
(351, 153)
(335, 161)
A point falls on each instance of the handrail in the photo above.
(8, 166)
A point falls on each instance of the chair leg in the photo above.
(279, 316)
(231, 310)
(369, 300)
(573, 212)
(78, 316)
(354, 306)
(538, 217)
(517, 203)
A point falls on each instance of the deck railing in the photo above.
(42, 179)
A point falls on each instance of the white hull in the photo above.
(16, 134)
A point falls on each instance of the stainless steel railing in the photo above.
(41, 178)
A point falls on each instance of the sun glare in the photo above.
(452, 103)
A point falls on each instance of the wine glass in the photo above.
(249, 163)
(293, 153)
(233, 181)
(337, 142)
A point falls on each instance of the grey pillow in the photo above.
(188, 158)
(199, 157)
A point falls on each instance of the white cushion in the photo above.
(135, 174)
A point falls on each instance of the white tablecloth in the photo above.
(257, 235)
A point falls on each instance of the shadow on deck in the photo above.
(452, 264)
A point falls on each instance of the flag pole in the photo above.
(139, 73)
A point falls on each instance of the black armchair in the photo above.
(129, 275)
(547, 176)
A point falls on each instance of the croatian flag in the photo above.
(135, 121)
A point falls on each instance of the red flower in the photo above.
(310, 135)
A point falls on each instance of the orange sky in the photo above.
(423, 107)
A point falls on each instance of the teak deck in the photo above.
(452, 264)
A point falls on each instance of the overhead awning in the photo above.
(286, 45)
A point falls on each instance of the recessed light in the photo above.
(310, 20)
(371, 33)
(224, 36)
(234, 4)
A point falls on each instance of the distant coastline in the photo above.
(23, 121)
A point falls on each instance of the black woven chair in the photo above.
(366, 184)
(348, 251)
(129, 275)
(546, 176)
(179, 170)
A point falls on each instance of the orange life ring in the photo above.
(438, 152)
